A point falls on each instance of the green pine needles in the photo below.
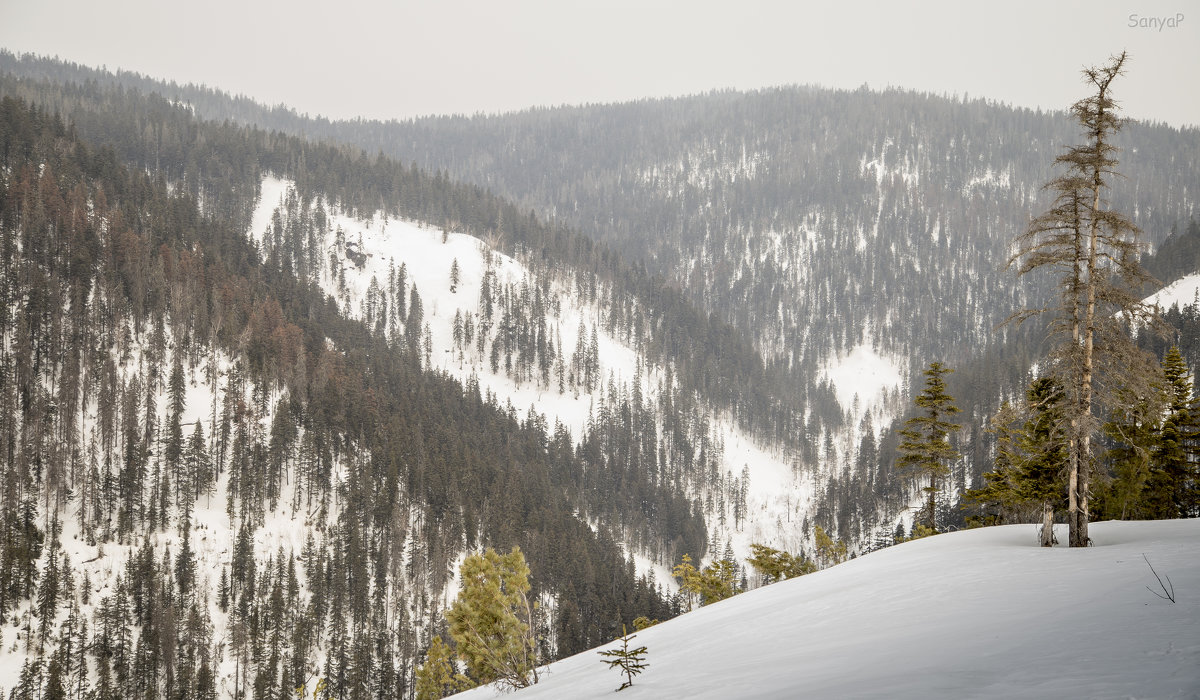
(492, 620)
(630, 661)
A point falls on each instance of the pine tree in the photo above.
(185, 564)
(1027, 481)
(491, 620)
(776, 565)
(631, 661)
(829, 552)
(925, 451)
(1133, 431)
(711, 584)
(437, 677)
(1044, 448)
(999, 496)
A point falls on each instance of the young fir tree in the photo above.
(1095, 252)
(828, 551)
(1028, 481)
(1044, 451)
(999, 496)
(1133, 432)
(924, 449)
(491, 620)
(713, 583)
(1172, 482)
(631, 661)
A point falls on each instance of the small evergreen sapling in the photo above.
(630, 661)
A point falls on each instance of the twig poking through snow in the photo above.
(1168, 593)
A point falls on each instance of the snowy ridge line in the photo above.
(1182, 292)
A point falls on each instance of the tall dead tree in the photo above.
(1094, 250)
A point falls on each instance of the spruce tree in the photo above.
(1172, 479)
(828, 552)
(1133, 431)
(925, 451)
(776, 565)
(999, 496)
(1044, 449)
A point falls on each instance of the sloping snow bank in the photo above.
(1183, 291)
(980, 613)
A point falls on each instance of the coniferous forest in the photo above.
(227, 473)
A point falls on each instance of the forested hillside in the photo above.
(205, 407)
(151, 361)
(822, 225)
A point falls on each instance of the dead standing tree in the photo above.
(1095, 251)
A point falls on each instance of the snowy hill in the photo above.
(980, 613)
(1181, 292)
(757, 495)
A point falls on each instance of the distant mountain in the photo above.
(825, 225)
(832, 235)
(1178, 255)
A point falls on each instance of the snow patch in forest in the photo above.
(864, 373)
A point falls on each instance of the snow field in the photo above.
(980, 613)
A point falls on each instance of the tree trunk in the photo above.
(1073, 480)
(1079, 529)
(932, 506)
(1048, 539)
(1079, 524)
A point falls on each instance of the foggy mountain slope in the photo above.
(707, 358)
(819, 223)
(822, 224)
(889, 212)
(208, 390)
(825, 226)
(530, 342)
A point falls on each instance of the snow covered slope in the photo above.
(980, 613)
(360, 255)
(1181, 292)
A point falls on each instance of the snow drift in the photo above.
(980, 613)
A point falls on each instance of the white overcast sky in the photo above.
(402, 59)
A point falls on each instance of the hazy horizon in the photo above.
(403, 60)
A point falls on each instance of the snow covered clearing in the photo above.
(980, 613)
(864, 375)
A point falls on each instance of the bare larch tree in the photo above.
(1094, 250)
